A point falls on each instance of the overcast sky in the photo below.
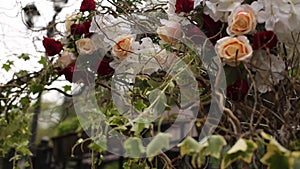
(16, 38)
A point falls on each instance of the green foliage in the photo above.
(24, 56)
(134, 147)
(208, 146)
(15, 133)
(243, 149)
(67, 126)
(159, 142)
(7, 66)
(278, 157)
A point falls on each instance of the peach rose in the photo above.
(67, 58)
(123, 47)
(233, 50)
(170, 33)
(241, 21)
(85, 46)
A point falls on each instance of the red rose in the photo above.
(79, 29)
(266, 39)
(211, 28)
(104, 68)
(88, 5)
(52, 46)
(81, 76)
(238, 90)
(194, 34)
(185, 6)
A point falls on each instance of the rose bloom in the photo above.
(52, 46)
(185, 6)
(241, 21)
(87, 5)
(67, 58)
(123, 46)
(170, 33)
(70, 19)
(265, 39)
(85, 46)
(79, 29)
(233, 50)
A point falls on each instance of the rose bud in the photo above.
(265, 39)
(87, 5)
(67, 58)
(52, 46)
(80, 29)
(85, 46)
(185, 6)
(238, 90)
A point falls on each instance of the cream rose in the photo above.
(241, 21)
(67, 58)
(123, 47)
(170, 33)
(233, 50)
(71, 19)
(85, 46)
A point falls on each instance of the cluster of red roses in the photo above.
(77, 30)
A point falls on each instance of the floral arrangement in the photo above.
(229, 69)
(256, 42)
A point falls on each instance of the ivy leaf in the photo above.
(7, 66)
(276, 156)
(158, 100)
(43, 61)
(189, 146)
(24, 56)
(295, 160)
(137, 128)
(134, 147)
(36, 88)
(67, 88)
(159, 142)
(215, 145)
(243, 149)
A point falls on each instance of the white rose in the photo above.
(67, 58)
(85, 46)
(170, 33)
(233, 50)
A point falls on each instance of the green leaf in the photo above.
(276, 156)
(158, 100)
(24, 56)
(137, 128)
(67, 88)
(189, 146)
(7, 66)
(159, 142)
(215, 145)
(36, 88)
(134, 147)
(295, 160)
(243, 149)
(43, 61)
